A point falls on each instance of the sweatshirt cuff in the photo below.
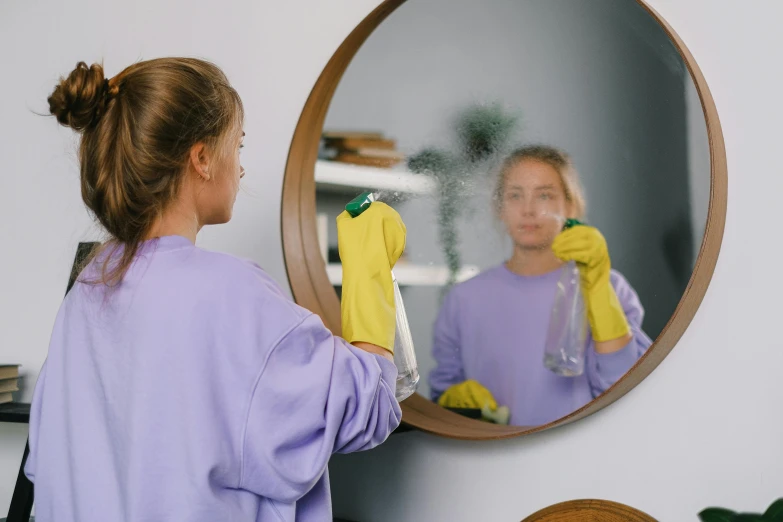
(614, 365)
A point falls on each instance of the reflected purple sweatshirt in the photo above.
(492, 328)
(197, 391)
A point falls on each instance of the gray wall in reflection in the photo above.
(597, 78)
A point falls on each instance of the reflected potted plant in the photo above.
(483, 131)
(774, 513)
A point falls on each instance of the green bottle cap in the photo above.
(570, 223)
(360, 203)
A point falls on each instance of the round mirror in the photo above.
(560, 170)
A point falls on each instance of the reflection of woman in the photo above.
(490, 333)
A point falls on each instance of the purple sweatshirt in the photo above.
(492, 328)
(197, 391)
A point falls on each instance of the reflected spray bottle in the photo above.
(564, 349)
(404, 356)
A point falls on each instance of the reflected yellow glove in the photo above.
(370, 245)
(468, 394)
(587, 247)
(471, 394)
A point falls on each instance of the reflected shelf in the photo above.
(409, 274)
(346, 178)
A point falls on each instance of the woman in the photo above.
(490, 333)
(182, 384)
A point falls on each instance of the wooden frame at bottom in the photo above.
(311, 287)
(589, 511)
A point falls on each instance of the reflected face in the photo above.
(533, 204)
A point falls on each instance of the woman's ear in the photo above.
(199, 160)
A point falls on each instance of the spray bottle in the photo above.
(404, 356)
(564, 350)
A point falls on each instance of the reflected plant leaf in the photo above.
(483, 131)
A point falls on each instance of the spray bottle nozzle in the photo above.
(360, 203)
(570, 223)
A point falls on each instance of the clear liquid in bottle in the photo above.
(564, 350)
(404, 355)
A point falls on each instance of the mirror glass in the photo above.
(551, 163)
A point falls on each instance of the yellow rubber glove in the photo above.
(370, 245)
(468, 394)
(471, 394)
(587, 247)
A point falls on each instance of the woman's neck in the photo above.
(533, 262)
(178, 220)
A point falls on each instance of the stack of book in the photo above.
(9, 382)
(371, 149)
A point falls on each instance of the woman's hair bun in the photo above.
(79, 100)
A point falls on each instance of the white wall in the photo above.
(702, 429)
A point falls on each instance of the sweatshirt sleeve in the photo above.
(35, 416)
(315, 395)
(446, 350)
(605, 369)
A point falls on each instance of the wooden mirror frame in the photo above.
(307, 270)
(589, 511)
